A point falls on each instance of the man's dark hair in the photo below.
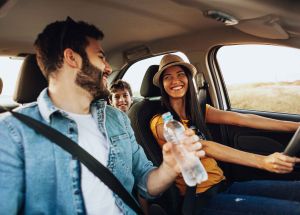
(120, 85)
(192, 105)
(56, 37)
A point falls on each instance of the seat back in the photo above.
(30, 81)
(140, 115)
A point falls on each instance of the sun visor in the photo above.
(266, 27)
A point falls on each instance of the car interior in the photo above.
(137, 30)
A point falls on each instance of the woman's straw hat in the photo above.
(172, 60)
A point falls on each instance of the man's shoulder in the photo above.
(10, 127)
(111, 108)
(115, 111)
(30, 109)
(117, 117)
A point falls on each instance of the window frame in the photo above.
(220, 88)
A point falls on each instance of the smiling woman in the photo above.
(135, 73)
(8, 74)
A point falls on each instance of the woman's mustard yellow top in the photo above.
(215, 174)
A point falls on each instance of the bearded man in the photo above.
(37, 176)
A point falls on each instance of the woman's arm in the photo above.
(217, 116)
(276, 162)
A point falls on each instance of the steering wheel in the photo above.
(293, 147)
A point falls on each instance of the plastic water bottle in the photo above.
(191, 167)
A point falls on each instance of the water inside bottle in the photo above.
(191, 167)
(192, 175)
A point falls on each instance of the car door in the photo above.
(262, 80)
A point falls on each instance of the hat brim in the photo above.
(189, 66)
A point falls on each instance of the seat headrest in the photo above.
(30, 81)
(1, 85)
(148, 89)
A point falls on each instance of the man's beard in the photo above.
(90, 79)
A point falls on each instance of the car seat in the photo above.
(140, 115)
(29, 84)
(30, 81)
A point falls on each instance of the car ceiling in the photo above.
(128, 23)
(124, 22)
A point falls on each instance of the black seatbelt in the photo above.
(202, 96)
(189, 201)
(83, 156)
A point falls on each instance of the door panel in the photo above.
(258, 142)
(260, 77)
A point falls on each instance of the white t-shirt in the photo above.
(97, 196)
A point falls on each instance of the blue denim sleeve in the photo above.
(11, 167)
(141, 165)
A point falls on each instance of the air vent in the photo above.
(136, 53)
(221, 17)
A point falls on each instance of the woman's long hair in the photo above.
(192, 106)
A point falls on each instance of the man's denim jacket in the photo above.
(38, 177)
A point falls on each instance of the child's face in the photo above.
(121, 99)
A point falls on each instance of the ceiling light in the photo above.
(221, 17)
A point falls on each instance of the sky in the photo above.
(259, 64)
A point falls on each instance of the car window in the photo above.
(8, 73)
(261, 77)
(135, 73)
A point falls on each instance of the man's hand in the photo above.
(191, 143)
(280, 163)
(161, 178)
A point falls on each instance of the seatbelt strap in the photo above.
(189, 201)
(83, 156)
(202, 96)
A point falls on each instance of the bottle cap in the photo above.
(167, 116)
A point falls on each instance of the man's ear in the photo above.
(72, 58)
(110, 101)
